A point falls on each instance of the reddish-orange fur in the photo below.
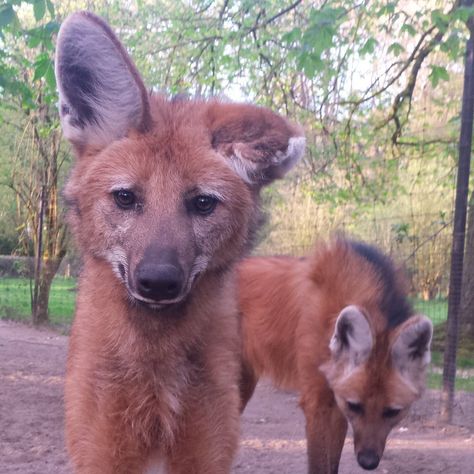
(128, 377)
(152, 379)
(289, 308)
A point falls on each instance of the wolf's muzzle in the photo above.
(368, 459)
(159, 282)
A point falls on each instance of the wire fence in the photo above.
(428, 289)
(15, 301)
(424, 257)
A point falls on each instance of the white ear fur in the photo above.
(352, 336)
(101, 96)
(294, 152)
(411, 348)
(253, 172)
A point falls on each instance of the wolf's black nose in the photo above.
(159, 282)
(368, 459)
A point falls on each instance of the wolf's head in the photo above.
(162, 190)
(375, 378)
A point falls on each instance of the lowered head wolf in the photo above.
(337, 327)
(163, 200)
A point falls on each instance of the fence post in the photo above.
(459, 228)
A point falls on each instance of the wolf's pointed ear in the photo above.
(411, 348)
(352, 336)
(260, 145)
(101, 94)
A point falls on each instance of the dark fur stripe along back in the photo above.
(394, 302)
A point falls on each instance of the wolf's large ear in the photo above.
(101, 94)
(259, 144)
(352, 336)
(411, 348)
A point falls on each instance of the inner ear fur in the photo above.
(260, 145)
(411, 344)
(352, 336)
(101, 94)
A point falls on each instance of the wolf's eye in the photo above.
(203, 204)
(391, 412)
(124, 198)
(356, 408)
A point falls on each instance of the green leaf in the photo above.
(42, 63)
(387, 9)
(291, 36)
(369, 47)
(440, 19)
(452, 46)
(39, 9)
(463, 13)
(50, 77)
(396, 49)
(407, 28)
(34, 41)
(50, 6)
(310, 64)
(438, 73)
(7, 15)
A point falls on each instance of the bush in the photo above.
(13, 266)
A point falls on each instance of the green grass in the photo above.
(463, 360)
(15, 304)
(15, 299)
(436, 310)
(463, 381)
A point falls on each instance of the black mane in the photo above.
(394, 302)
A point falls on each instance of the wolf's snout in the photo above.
(368, 459)
(159, 281)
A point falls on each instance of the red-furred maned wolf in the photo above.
(338, 328)
(163, 201)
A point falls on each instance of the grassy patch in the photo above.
(465, 353)
(463, 381)
(464, 360)
(436, 310)
(15, 300)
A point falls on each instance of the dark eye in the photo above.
(124, 198)
(356, 408)
(391, 412)
(203, 204)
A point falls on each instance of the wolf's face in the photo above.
(375, 383)
(161, 213)
(162, 190)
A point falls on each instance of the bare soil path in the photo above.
(32, 439)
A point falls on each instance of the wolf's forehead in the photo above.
(151, 167)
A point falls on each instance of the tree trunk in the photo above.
(45, 279)
(467, 295)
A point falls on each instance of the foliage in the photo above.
(376, 85)
(27, 86)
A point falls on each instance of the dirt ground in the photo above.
(32, 439)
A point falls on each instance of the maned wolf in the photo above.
(338, 328)
(163, 201)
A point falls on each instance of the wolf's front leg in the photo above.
(98, 441)
(326, 429)
(210, 438)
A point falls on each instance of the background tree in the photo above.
(466, 316)
(376, 84)
(28, 112)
